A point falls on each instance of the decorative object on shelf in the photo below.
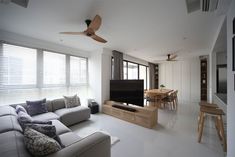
(162, 86)
(233, 53)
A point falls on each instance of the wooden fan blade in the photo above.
(99, 39)
(95, 23)
(173, 57)
(73, 33)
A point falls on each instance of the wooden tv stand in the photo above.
(144, 116)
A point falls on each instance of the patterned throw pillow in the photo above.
(39, 144)
(36, 107)
(71, 101)
(49, 130)
(20, 108)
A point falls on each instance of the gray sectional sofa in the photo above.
(12, 138)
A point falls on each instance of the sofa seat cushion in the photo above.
(12, 144)
(60, 128)
(70, 116)
(69, 138)
(9, 123)
(45, 116)
(7, 110)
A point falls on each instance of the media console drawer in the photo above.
(129, 116)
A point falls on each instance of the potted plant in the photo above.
(162, 86)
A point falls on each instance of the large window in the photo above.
(134, 71)
(54, 68)
(31, 74)
(17, 66)
(78, 70)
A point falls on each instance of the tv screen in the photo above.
(127, 91)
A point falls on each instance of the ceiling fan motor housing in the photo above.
(88, 22)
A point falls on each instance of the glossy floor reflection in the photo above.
(174, 136)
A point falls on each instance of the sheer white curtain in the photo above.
(17, 66)
(78, 70)
(54, 66)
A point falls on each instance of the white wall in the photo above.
(106, 73)
(94, 74)
(230, 85)
(183, 76)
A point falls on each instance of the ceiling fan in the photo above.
(23, 3)
(92, 27)
(170, 57)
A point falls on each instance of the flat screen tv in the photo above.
(127, 91)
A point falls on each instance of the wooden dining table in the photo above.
(157, 95)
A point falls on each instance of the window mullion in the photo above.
(67, 71)
(39, 68)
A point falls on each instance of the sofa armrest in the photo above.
(95, 145)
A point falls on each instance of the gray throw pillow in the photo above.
(39, 144)
(24, 118)
(71, 101)
(36, 107)
(20, 108)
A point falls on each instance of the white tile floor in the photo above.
(174, 136)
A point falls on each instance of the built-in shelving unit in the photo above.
(156, 72)
(204, 79)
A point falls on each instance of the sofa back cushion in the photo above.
(9, 123)
(7, 110)
(57, 104)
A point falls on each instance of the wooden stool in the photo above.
(205, 104)
(217, 113)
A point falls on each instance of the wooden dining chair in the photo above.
(170, 100)
(176, 99)
(152, 99)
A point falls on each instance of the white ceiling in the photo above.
(146, 29)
